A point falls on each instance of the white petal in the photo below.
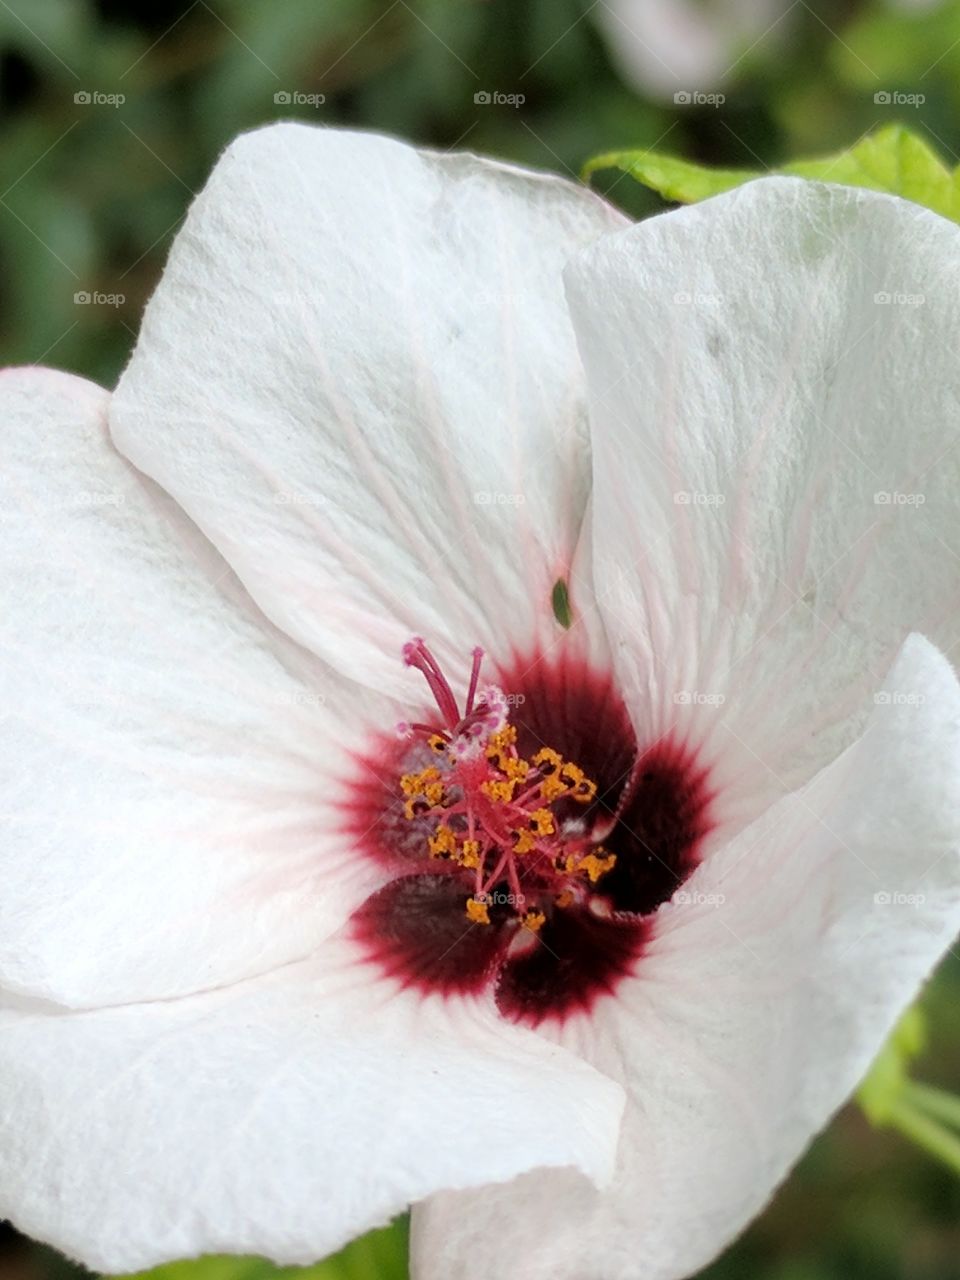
(358, 376)
(279, 1117)
(760, 1006)
(764, 369)
(166, 754)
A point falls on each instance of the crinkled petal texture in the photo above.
(281, 1116)
(166, 772)
(757, 1009)
(358, 376)
(775, 399)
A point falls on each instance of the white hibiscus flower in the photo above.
(572, 936)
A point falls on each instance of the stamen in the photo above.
(496, 811)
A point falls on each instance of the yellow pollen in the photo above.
(547, 756)
(477, 911)
(551, 788)
(525, 842)
(564, 899)
(585, 791)
(500, 791)
(516, 769)
(595, 866)
(415, 784)
(534, 921)
(437, 744)
(502, 739)
(443, 843)
(470, 854)
(541, 821)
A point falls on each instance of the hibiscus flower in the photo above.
(413, 795)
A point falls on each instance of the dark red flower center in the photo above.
(530, 836)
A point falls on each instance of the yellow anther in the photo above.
(534, 921)
(477, 911)
(499, 790)
(470, 854)
(414, 784)
(443, 843)
(547, 760)
(437, 743)
(434, 793)
(595, 866)
(565, 899)
(552, 788)
(500, 752)
(514, 767)
(525, 842)
(584, 791)
(572, 773)
(541, 821)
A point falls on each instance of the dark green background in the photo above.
(91, 195)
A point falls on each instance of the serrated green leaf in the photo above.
(893, 160)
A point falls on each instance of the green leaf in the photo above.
(882, 1090)
(380, 1255)
(676, 179)
(892, 159)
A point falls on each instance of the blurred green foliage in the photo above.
(111, 116)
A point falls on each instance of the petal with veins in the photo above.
(167, 754)
(358, 376)
(758, 1009)
(282, 1116)
(775, 400)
